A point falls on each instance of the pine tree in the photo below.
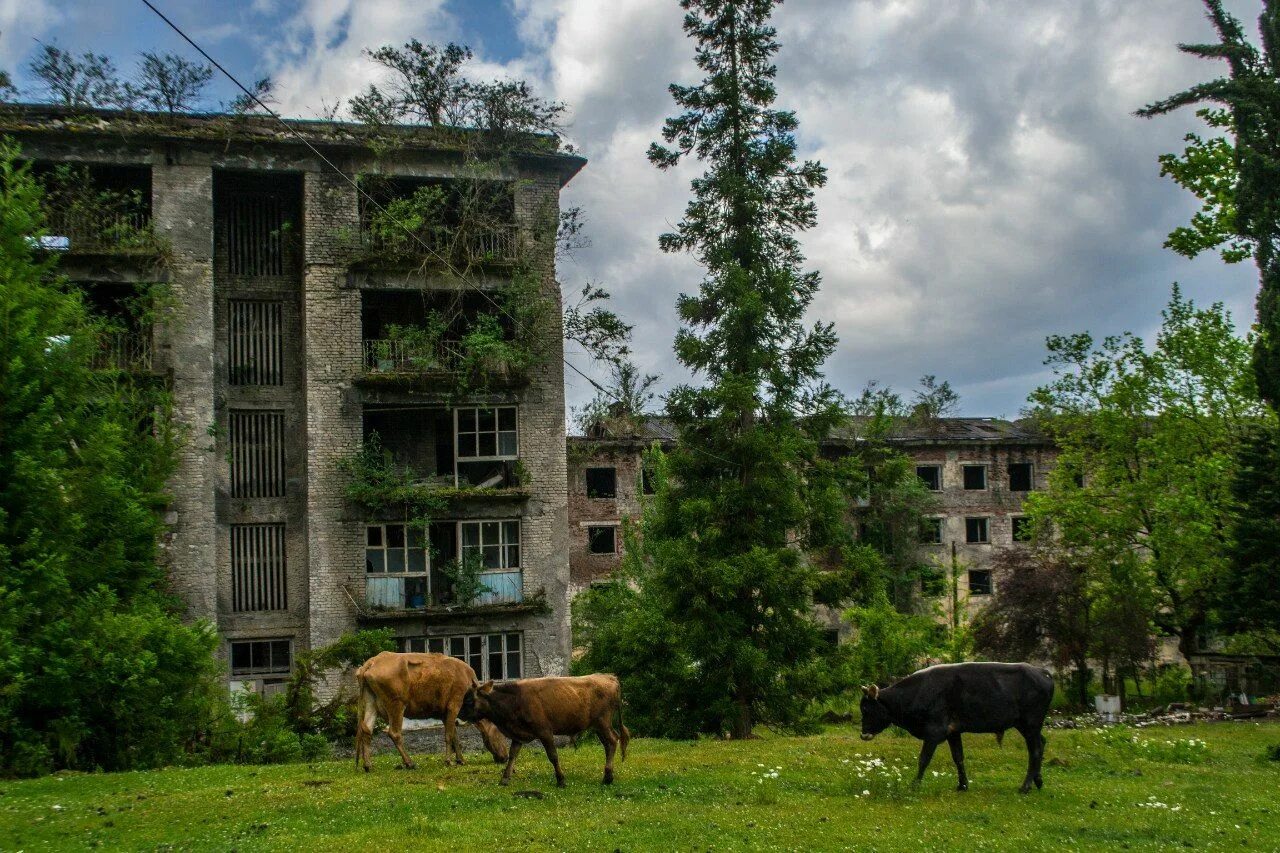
(722, 564)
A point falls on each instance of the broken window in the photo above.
(257, 453)
(255, 342)
(931, 476)
(263, 666)
(979, 582)
(602, 482)
(396, 560)
(1019, 476)
(491, 656)
(602, 540)
(931, 531)
(486, 442)
(977, 530)
(975, 477)
(1022, 528)
(258, 568)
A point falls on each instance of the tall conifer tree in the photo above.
(745, 492)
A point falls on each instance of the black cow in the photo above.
(942, 702)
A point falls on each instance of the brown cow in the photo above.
(417, 686)
(541, 708)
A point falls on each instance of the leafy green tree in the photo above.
(1148, 441)
(1249, 595)
(88, 81)
(1247, 217)
(1207, 169)
(745, 493)
(168, 83)
(96, 668)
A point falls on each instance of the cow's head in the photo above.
(875, 716)
(475, 704)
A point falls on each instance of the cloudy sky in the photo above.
(989, 184)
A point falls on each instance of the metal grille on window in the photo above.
(258, 577)
(256, 343)
(257, 454)
(255, 228)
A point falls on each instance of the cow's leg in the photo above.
(549, 744)
(395, 728)
(610, 741)
(957, 755)
(1035, 749)
(926, 755)
(511, 761)
(364, 729)
(451, 738)
(1040, 761)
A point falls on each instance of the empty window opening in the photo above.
(255, 342)
(257, 221)
(977, 530)
(975, 477)
(602, 482)
(979, 582)
(261, 666)
(931, 531)
(490, 656)
(94, 209)
(1019, 476)
(602, 540)
(258, 571)
(648, 485)
(1022, 528)
(257, 454)
(931, 476)
(458, 220)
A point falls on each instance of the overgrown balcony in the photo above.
(128, 351)
(98, 211)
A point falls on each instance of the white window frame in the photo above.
(444, 645)
(385, 549)
(504, 543)
(497, 434)
(263, 681)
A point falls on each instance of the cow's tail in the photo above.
(366, 716)
(625, 737)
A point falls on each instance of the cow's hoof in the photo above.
(962, 787)
(559, 783)
(608, 778)
(504, 782)
(1039, 783)
(1025, 789)
(368, 769)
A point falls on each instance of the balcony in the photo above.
(439, 245)
(97, 211)
(390, 356)
(410, 592)
(99, 232)
(125, 351)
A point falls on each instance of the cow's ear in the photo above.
(873, 691)
(866, 691)
(487, 687)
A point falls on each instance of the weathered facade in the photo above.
(980, 470)
(278, 342)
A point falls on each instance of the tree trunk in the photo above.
(743, 722)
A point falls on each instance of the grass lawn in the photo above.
(1203, 786)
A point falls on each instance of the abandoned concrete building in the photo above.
(297, 340)
(980, 469)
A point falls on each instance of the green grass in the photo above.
(1101, 792)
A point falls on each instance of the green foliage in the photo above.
(98, 669)
(1154, 434)
(463, 575)
(88, 81)
(304, 715)
(96, 217)
(1191, 750)
(169, 83)
(1248, 596)
(376, 481)
(1271, 753)
(887, 645)
(1171, 684)
(1239, 178)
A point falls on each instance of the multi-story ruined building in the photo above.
(298, 322)
(980, 470)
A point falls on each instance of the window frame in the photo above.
(1031, 476)
(504, 544)
(936, 467)
(935, 523)
(443, 644)
(497, 433)
(964, 478)
(1013, 528)
(252, 673)
(990, 583)
(592, 529)
(986, 529)
(587, 482)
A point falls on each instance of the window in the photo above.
(497, 543)
(258, 568)
(979, 582)
(257, 454)
(486, 433)
(261, 665)
(1078, 479)
(602, 540)
(831, 638)
(396, 558)
(931, 531)
(977, 530)
(931, 476)
(646, 481)
(1022, 528)
(1019, 476)
(256, 226)
(602, 482)
(975, 477)
(496, 656)
(255, 343)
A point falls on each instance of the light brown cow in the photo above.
(541, 708)
(417, 686)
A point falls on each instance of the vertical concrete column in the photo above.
(331, 343)
(182, 213)
(545, 527)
